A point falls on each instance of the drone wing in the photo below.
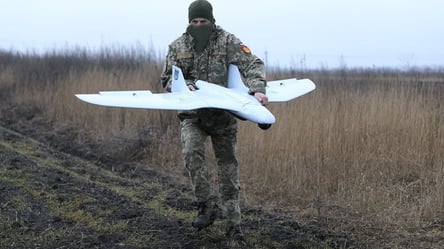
(277, 91)
(286, 90)
(181, 98)
(145, 100)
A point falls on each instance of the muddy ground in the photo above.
(57, 194)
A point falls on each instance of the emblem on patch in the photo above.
(245, 48)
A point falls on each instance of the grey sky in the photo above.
(310, 33)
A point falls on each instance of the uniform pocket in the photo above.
(214, 119)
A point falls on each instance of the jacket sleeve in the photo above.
(251, 67)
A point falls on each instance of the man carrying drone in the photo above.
(204, 52)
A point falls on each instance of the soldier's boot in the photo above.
(206, 215)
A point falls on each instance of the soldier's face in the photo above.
(199, 21)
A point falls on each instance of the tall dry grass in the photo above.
(370, 140)
(49, 82)
(376, 147)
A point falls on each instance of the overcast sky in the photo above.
(310, 33)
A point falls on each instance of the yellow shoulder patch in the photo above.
(245, 49)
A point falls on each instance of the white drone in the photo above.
(234, 97)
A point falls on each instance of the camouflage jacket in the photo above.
(211, 65)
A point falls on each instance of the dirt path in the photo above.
(51, 199)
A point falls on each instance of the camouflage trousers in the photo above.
(194, 133)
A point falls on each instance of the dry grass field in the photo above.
(364, 151)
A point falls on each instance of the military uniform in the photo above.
(211, 65)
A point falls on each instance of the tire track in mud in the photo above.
(59, 200)
(51, 199)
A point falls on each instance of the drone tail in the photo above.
(235, 80)
(178, 82)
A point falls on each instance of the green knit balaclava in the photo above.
(200, 33)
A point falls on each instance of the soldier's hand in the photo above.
(261, 98)
(192, 87)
